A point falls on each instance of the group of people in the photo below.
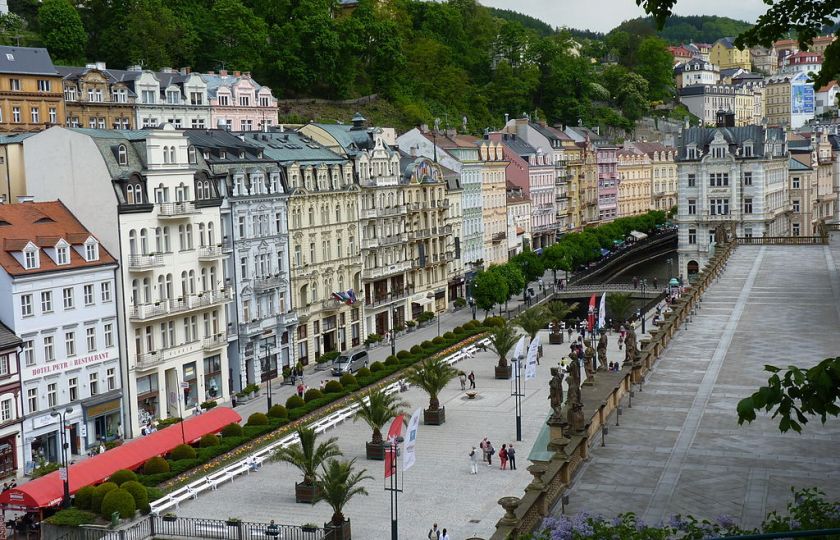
(613, 366)
(437, 534)
(507, 454)
(149, 428)
(463, 378)
(9, 485)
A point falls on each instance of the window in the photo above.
(70, 93)
(67, 294)
(53, 116)
(26, 305)
(796, 205)
(28, 350)
(109, 335)
(94, 383)
(4, 365)
(5, 410)
(73, 387)
(46, 302)
(111, 377)
(244, 101)
(265, 101)
(88, 290)
(692, 180)
(62, 255)
(16, 115)
(32, 399)
(122, 155)
(718, 179)
(796, 229)
(91, 251)
(191, 155)
(196, 98)
(692, 236)
(36, 115)
(148, 96)
(747, 178)
(224, 99)
(105, 289)
(51, 394)
(15, 83)
(30, 259)
(70, 343)
(719, 207)
(794, 183)
(90, 338)
(748, 206)
(692, 206)
(49, 349)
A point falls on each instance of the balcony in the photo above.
(153, 359)
(388, 298)
(446, 229)
(420, 235)
(498, 237)
(176, 210)
(331, 304)
(165, 308)
(144, 263)
(373, 274)
(148, 360)
(216, 342)
(264, 283)
(382, 241)
(210, 253)
(368, 213)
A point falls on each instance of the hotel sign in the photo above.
(60, 366)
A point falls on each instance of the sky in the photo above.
(604, 15)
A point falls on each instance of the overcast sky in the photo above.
(604, 15)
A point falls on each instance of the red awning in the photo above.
(48, 490)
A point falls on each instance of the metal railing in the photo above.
(144, 262)
(163, 308)
(210, 252)
(176, 209)
(782, 240)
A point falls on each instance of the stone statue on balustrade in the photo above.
(602, 352)
(589, 364)
(574, 404)
(631, 355)
(556, 396)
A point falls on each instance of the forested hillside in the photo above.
(684, 29)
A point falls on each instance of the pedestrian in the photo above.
(473, 461)
(322, 385)
(511, 455)
(444, 536)
(472, 380)
(488, 452)
(655, 283)
(434, 533)
(569, 330)
(462, 377)
(635, 282)
(503, 457)
(300, 389)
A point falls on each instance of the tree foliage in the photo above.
(308, 454)
(63, 32)
(502, 340)
(489, 289)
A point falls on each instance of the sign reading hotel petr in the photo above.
(60, 366)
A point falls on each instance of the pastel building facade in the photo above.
(238, 102)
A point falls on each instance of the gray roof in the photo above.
(735, 136)
(291, 146)
(728, 42)
(518, 145)
(796, 165)
(108, 141)
(15, 138)
(29, 60)
(351, 138)
(214, 82)
(8, 339)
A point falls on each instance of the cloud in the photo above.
(604, 15)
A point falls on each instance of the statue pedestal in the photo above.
(557, 434)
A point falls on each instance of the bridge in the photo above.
(640, 252)
(585, 291)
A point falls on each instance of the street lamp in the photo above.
(394, 488)
(431, 296)
(394, 333)
(267, 373)
(62, 416)
(644, 286)
(517, 394)
(472, 307)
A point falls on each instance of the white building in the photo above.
(733, 177)
(60, 290)
(696, 72)
(146, 197)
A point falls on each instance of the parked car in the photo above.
(350, 362)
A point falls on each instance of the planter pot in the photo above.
(170, 518)
(409, 329)
(337, 532)
(374, 451)
(504, 372)
(555, 339)
(305, 528)
(305, 493)
(233, 523)
(434, 418)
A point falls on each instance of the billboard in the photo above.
(802, 99)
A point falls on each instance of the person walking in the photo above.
(444, 535)
(462, 377)
(472, 380)
(503, 457)
(300, 389)
(473, 461)
(488, 453)
(434, 533)
(511, 455)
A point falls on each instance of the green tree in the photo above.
(532, 320)
(559, 310)
(513, 277)
(338, 483)
(531, 265)
(237, 36)
(502, 340)
(489, 289)
(656, 66)
(308, 455)
(62, 31)
(432, 375)
(376, 408)
(619, 306)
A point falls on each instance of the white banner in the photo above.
(411, 439)
(531, 366)
(519, 349)
(602, 312)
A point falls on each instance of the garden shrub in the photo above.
(166, 422)
(294, 402)
(278, 411)
(391, 361)
(155, 465)
(257, 419)
(376, 366)
(182, 451)
(154, 493)
(470, 325)
(83, 496)
(99, 494)
(494, 321)
(416, 349)
(312, 393)
(332, 387)
(44, 469)
(348, 379)
(457, 330)
(363, 372)
(402, 355)
(208, 440)
(448, 336)
(438, 341)
(71, 517)
(139, 493)
(232, 430)
(118, 500)
(122, 476)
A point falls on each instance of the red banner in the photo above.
(591, 314)
(393, 432)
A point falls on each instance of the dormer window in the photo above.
(192, 155)
(691, 152)
(91, 250)
(718, 152)
(747, 150)
(173, 97)
(30, 257)
(122, 155)
(222, 154)
(62, 255)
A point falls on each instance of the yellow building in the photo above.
(93, 99)
(494, 201)
(574, 174)
(663, 174)
(725, 55)
(31, 92)
(635, 182)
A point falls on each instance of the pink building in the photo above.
(606, 158)
(238, 102)
(533, 171)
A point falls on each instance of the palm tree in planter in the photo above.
(558, 311)
(307, 457)
(502, 340)
(338, 482)
(532, 321)
(376, 408)
(432, 375)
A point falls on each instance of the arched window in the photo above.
(192, 281)
(338, 213)
(311, 215)
(166, 154)
(171, 154)
(132, 242)
(144, 241)
(191, 155)
(185, 288)
(211, 236)
(162, 289)
(135, 292)
(122, 155)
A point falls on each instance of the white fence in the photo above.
(254, 462)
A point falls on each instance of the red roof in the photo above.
(48, 490)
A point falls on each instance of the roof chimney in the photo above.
(25, 198)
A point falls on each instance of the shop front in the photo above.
(103, 419)
(42, 441)
(148, 405)
(8, 455)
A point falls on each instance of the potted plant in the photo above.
(287, 374)
(376, 408)
(459, 303)
(169, 516)
(558, 311)
(309, 527)
(432, 375)
(338, 483)
(410, 325)
(233, 522)
(502, 340)
(532, 321)
(306, 456)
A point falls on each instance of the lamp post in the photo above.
(644, 286)
(431, 296)
(394, 486)
(267, 373)
(472, 307)
(517, 395)
(62, 416)
(394, 333)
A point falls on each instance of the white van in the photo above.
(350, 362)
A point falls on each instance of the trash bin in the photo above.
(115, 519)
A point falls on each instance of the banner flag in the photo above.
(393, 432)
(602, 311)
(591, 317)
(411, 439)
(531, 366)
(519, 349)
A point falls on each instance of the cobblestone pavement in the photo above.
(438, 488)
(679, 450)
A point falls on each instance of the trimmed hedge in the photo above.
(99, 494)
(448, 335)
(391, 361)
(71, 517)
(257, 419)
(294, 402)
(232, 430)
(376, 366)
(457, 330)
(156, 465)
(348, 379)
(82, 498)
(439, 340)
(278, 411)
(312, 393)
(416, 349)
(332, 387)
(182, 451)
(426, 345)
(120, 501)
(139, 493)
(363, 372)
(122, 476)
(208, 440)
(402, 355)
(495, 321)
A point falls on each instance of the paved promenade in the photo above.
(679, 450)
